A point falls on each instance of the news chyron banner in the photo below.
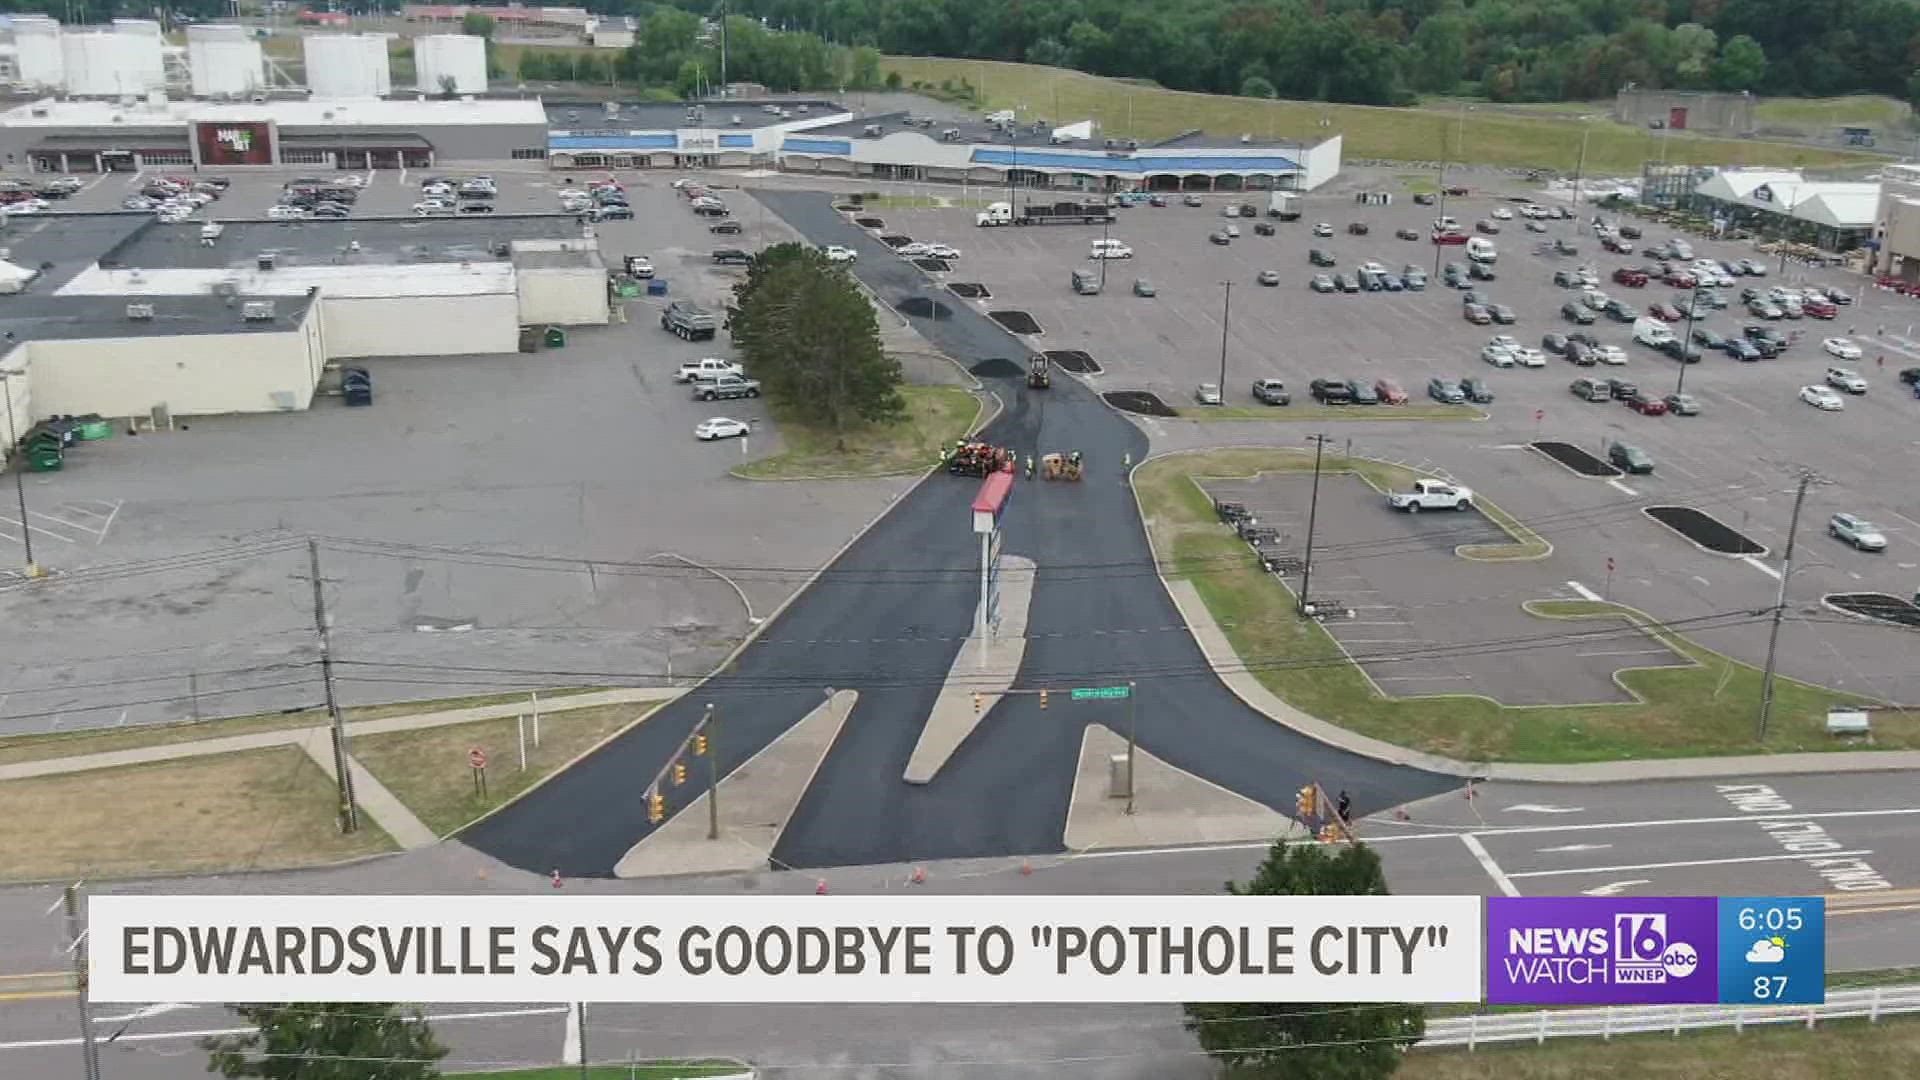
(785, 949)
(1727, 950)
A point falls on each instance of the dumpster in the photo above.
(627, 290)
(93, 429)
(656, 287)
(529, 339)
(556, 338)
(44, 458)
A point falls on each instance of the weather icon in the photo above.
(1768, 951)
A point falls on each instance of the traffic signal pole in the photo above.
(1133, 743)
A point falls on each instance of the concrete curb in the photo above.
(1243, 685)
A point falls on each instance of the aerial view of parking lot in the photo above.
(472, 450)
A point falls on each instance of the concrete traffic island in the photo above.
(1171, 805)
(981, 667)
(756, 800)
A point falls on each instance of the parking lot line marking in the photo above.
(88, 529)
(1621, 488)
(1418, 678)
(1629, 652)
(1585, 593)
(1760, 566)
(1481, 855)
(1379, 640)
(41, 529)
(1785, 857)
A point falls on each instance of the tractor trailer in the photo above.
(1060, 213)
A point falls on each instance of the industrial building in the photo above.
(96, 136)
(130, 317)
(1698, 111)
(1830, 215)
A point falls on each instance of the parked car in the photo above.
(1620, 312)
(1389, 391)
(1740, 349)
(1631, 278)
(1555, 344)
(1864, 535)
(1497, 355)
(1269, 278)
(1629, 458)
(1476, 391)
(1707, 339)
(1271, 392)
(1362, 392)
(1646, 404)
(1566, 279)
(1415, 278)
(1502, 314)
(1682, 404)
(1666, 312)
(1822, 398)
(1576, 313)
(1590, 390)
(1445, 391)
(1143, 287)
(1323, 283)
(1356, 228)
(1406, 234)
(1323, 229)
(1331, 391)
(1846, 379)
(1318, 257)
(1841, 348)
(720, 427)
(1346, 283)
(1477, 315)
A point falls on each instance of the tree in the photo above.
(1258, 86)
(331, 1041)
(1326, 1042)
(863, 72)
(477, 23)
(1741, 65)
(807, 332)
(1693, 49)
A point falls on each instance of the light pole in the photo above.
(19, 473)
(1693, 307)
(1313, 510)
(1579, 170)
(1226, 313)
(1133, 741)
(1103, 261)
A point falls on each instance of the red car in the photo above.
(1630, 277)
(1449, 238)
(1680, 279)
(1390, 392)
(1666, 312)
(1820, 309)
(1646, 404)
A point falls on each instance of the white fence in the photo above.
(1538, 1027)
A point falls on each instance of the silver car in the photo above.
(1864, 535)
(1207, 394)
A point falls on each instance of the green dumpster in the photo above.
(556, 338)
(627, 290)
(44, 458)
(94, 430)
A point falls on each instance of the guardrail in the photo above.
(1470, 1031)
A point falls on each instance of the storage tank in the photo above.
(110, 64)
(224, 60)
(461, 58)
(38, 58)
(347, 65)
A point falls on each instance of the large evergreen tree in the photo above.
(807, 332)
(1310, 1041)
(329, 1041)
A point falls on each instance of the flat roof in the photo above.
(551, 258)
(1202, 140)
(584, 116)
(51, 318)
(966, 131)
(330, 242)
(317, 113)
(69, 241)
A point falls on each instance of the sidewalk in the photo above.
(1227, 666)
(317, 741)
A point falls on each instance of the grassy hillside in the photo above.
(1859, 110)
(1416, 134)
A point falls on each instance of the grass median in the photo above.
(1703, 709)
(638, 1070)
(1317, 413)
(1842, 1050)
(935, 417)
(427, 768)
(253, 810)
(1491, 137)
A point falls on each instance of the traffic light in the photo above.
(1043, 699)
(977, 699)
(700, 742)
(679, 773)
(1306, 802)
(656, 808)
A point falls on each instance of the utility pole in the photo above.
(1579, 170)
(349, 814)
(1693, 305)
(1313, 509)
(1133, 739)
(19, 474)
(1103, 258)
(89, 1050)
(582, 1006)
(713, 775)
(723, 89)
(1226, 315)
(1780, 606)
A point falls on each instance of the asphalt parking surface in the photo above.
(582, 457)
(1738, 460)
(1412, 596)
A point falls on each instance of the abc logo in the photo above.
(1680, 960)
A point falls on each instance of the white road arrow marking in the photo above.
(158, 1009)
(1614, 888)
(1575, 847)
(1543, 808)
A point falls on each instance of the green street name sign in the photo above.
(1100, 693)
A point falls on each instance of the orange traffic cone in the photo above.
(556, 879)
(1026, 867)
(820, 887)
(919, 875)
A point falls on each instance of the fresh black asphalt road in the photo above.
(887, 619)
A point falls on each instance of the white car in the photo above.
(1527, 356)
(1109, 249)
(352, 180)
(720, 427)
(943, 251)
(1610, 354)
(1846, 379)
(1497, 355)
(1822, 398)
(1323, 230)
(1502, 213)
(424, 209)
(1842, 348)
(1595, 299)
(682, 182)
(1864, 535)
(914, 250)
(1533, 211)
(282, 212)
(1586, 276)
(837, 254)
(436, 189)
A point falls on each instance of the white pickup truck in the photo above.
(1431, 495)
(707, 370)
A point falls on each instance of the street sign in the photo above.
(477, 758)
(1100, 693)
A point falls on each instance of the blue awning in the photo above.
(660, 141)
(745, 141)
(1134, 164)
(840, 147)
